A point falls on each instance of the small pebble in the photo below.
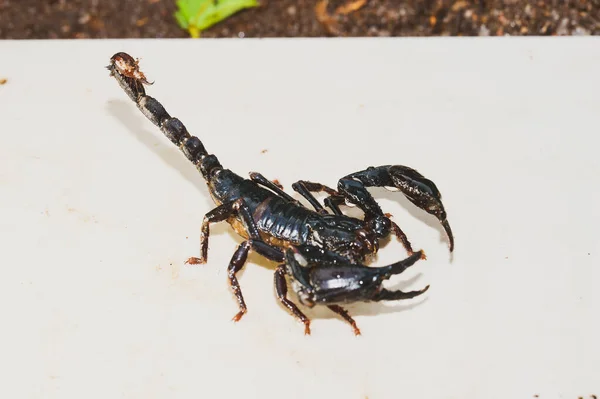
(484, 31)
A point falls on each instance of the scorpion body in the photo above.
(322, 253)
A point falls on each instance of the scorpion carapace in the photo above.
(322, 253)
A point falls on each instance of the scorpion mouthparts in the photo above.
(369, 241)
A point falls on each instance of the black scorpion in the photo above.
(323, 254)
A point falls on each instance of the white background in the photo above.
(99, 212)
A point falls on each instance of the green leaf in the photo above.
(198, 15)
(182, 19)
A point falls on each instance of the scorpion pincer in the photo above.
(322, 253)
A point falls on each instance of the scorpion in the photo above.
(322, 252)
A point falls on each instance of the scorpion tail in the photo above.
(124, 68)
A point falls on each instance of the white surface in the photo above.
(97, 208)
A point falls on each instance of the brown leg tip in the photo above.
(423, 256)
(357, 331)
(239, 315)
(195, 261)
(306, 328)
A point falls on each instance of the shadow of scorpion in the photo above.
(322, 253)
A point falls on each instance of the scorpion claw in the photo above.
(419, 190)
(423, 290)
(448, 231)
(330, 280)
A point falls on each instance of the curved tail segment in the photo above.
(125, 69)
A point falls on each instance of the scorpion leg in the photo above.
(305, 188)
(237, 262)
(333, 202)
(281, 290)
(346, 316)
(263, 181)
(223, 212)
(402, 237)
(219, 214)
(419, 190)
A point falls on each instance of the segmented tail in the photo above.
(124, 68)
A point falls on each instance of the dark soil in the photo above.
(51, 19)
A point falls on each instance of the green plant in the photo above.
(198, 15)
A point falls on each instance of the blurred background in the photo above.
(65, 19)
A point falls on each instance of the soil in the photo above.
(53, 19)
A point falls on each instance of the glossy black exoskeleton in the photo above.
(321, 277)
(322, 253)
